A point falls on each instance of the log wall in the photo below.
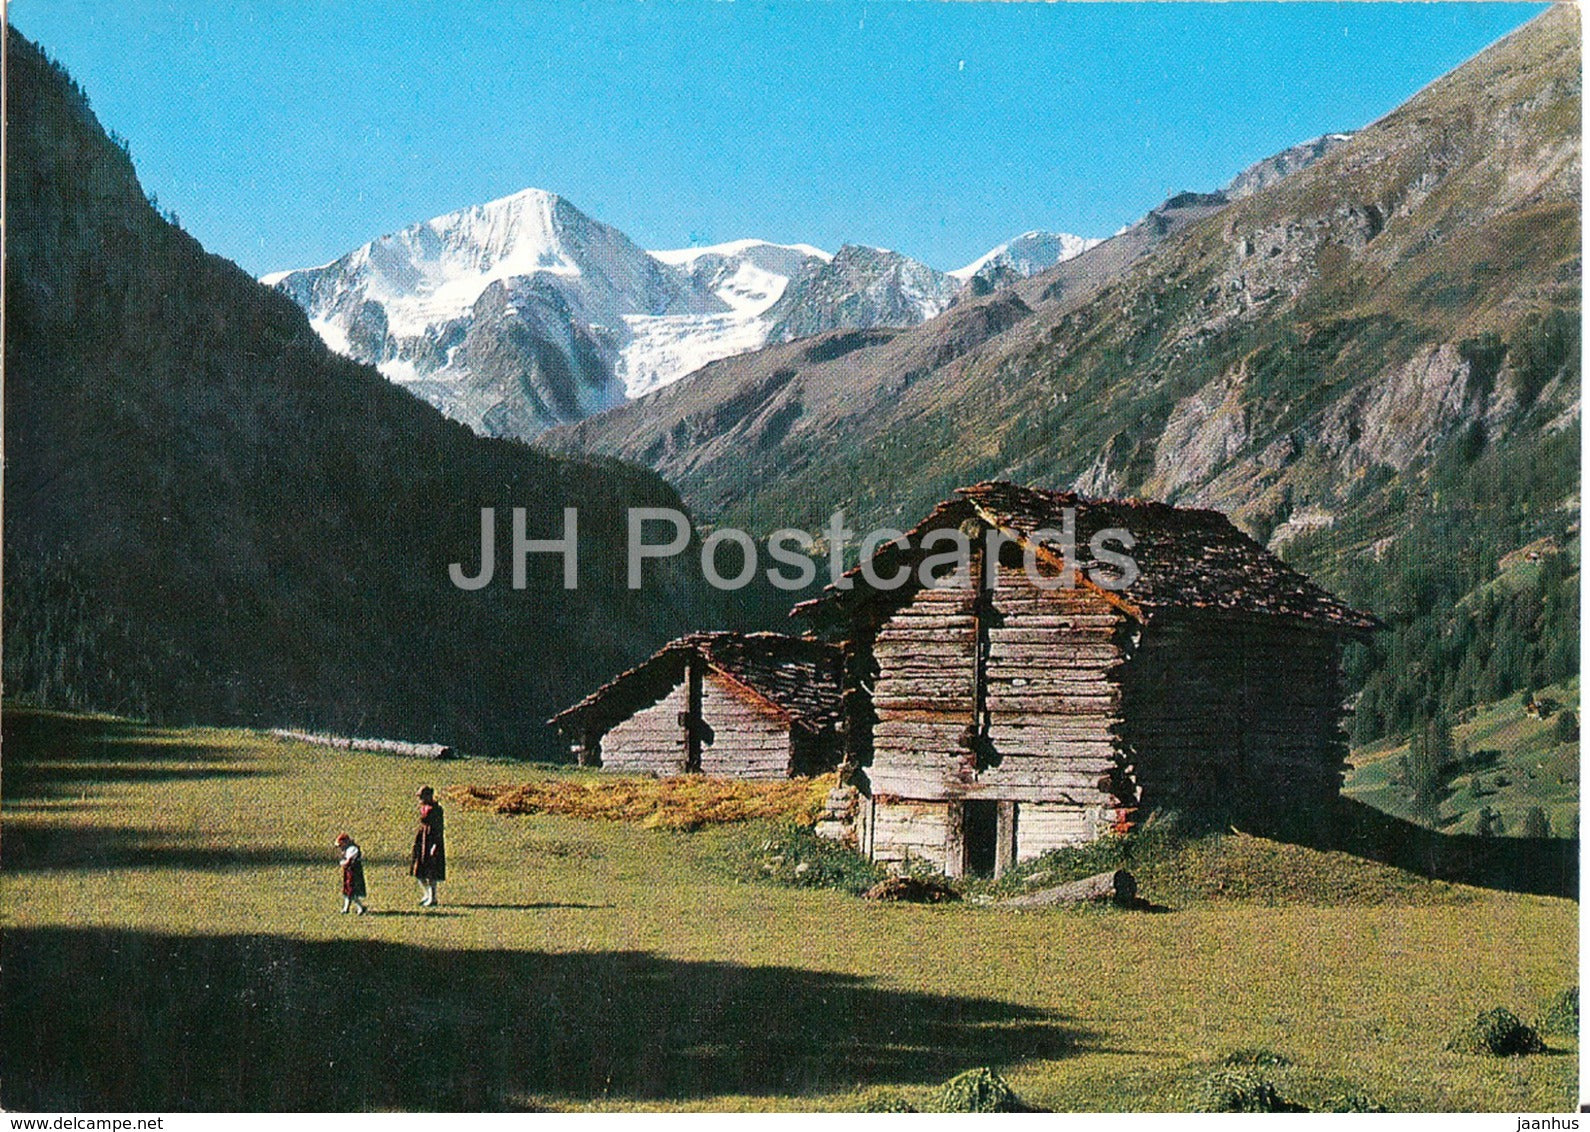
(1008, 695)
(907, 829)
(1042, 826)
(1231, 715)
(1043, 698)
(926, 658)
(1052, 697)
(652, 741)
(742, 739)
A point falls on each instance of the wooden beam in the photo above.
(1047, 555)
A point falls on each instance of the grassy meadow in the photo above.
(172, 941)
(1517, 761)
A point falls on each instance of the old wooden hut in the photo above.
(990, 718)
(744, 705)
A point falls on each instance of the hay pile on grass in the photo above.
(685, 802)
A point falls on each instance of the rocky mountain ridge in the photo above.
(522, 313)
(1314, 312)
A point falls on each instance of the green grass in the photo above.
(1531, 768)
(172, 942)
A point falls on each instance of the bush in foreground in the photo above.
(978, 1090)
(1256, 1057)
(1242, 1089)
(1498, 1033)
(885, 1102)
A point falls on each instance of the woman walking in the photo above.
(428, 861)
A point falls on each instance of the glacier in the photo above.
(524, 312)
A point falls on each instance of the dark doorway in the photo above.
(980, 828)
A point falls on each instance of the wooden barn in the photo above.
(990, 719)
(742, 705)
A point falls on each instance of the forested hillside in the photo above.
(209, 516)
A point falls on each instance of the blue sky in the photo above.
(284, 134)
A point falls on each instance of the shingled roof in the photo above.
(797, 678)
(1187, 558)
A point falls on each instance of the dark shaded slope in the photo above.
(208, 516)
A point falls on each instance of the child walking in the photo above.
(352, 874)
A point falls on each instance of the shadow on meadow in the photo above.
(1544, 866)
(53, 755)
(29, 847)
(115, 1020)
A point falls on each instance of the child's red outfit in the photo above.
(352, 875)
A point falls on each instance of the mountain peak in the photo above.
(1263, 174)
(683, 257)
(1026, 255)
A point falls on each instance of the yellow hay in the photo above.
(685, 802)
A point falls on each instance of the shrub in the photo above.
(789, 854)
(1241, 1090)
(1498, 1033)
(1559, 1014)
(1566, 729)
(978, 1090)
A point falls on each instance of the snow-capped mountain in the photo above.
(860, 287)
(508, 316)
(524, 312)
(748, 276)
(1026, 255)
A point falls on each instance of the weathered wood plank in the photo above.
(1055, 652)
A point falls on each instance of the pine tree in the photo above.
(1567, 727)
(1428, 757)
(1535, 823)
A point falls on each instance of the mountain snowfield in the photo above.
(1025, 256)
(749, 276)
(524, 312)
